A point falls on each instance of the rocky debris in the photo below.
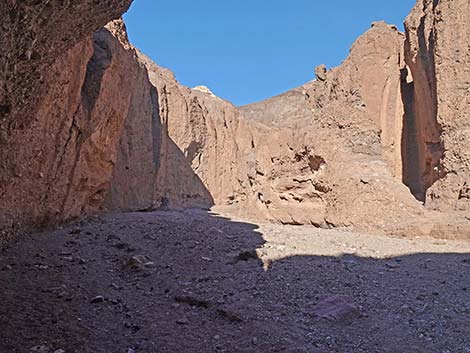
(320, 72)
(408, 292)
(337, 308)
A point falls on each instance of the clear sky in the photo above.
(249, 50)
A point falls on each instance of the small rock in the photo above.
(392, 266)
(336, 308)
(130, 350)
(112, 237)
(98, 299)
(121, 245)
(40, 349)
(75, 231)
(320, 72)
(115, 286)
(61, 295)
(59, 351)
(182, 321)
(247, 255)
(140, 261)
(214, 229)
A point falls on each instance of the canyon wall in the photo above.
(352, 117)
(56, 140)
(437, 52)
(326, 164)
(90, 124)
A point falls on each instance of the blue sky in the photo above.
(249, 50)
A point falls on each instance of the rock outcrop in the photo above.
(353, 120)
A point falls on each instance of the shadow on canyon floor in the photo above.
(189, 282)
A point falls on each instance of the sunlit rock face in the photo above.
(323, 154)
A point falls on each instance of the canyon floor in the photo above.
(196, 281)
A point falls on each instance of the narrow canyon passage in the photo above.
(193, 281)
(410, 148)
(141, 215)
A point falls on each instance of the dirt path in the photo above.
(195, 282)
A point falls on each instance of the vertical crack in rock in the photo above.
(423, 144)
(156, 128)
(410, 144)
(97, 66)
(81, 126)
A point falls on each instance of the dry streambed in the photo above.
(198, 282)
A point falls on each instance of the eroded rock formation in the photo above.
(90, 124)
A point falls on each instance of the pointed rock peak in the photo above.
(204, 89)
(118, 29)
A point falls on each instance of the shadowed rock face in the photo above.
(103, 128)
(437, 53)
(33, 35)
(50, 118)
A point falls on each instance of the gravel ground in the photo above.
(198, 282)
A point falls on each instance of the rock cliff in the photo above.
(437, 53)
(56, 140)
(90, 124)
